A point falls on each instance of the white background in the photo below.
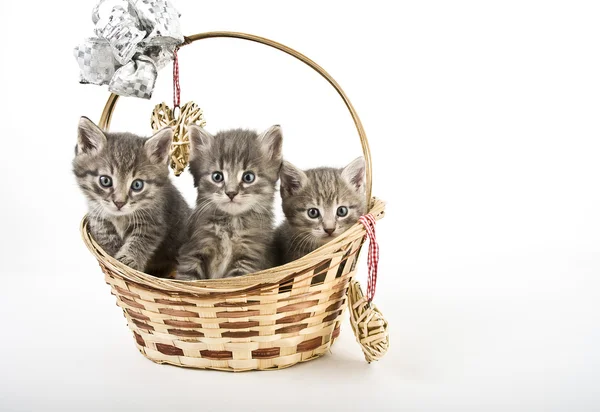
(483, 123)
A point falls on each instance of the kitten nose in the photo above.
(231, 195)
(119, 205)
(329, 231)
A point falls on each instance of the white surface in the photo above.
(483, 123)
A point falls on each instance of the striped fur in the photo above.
(146, 232)
(231, 236)
(325, 189)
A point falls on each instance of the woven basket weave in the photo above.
(267, 320)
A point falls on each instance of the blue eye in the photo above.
(313, 213)
(105, 181)
(137, 185)
(342, 211)
(217, 177)
(248, 177)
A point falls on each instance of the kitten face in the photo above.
(322, 203)
(120, 173)
(236, 170)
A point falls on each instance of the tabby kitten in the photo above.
(231, 229)
(319, 204)
(135, 213)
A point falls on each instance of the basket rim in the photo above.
(272, 275)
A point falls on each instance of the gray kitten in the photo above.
(319, 204)
(231, 229)
(135, 213)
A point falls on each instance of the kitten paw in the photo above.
(190, 269)
(186, 276)
(129, 261)
(235, 273)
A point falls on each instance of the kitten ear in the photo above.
(90, 138)
(199, 139)
(354, 173)
(271, 141)
(158, 146)
(292, 179)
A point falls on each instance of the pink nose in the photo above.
(119, 205)
(329, 231)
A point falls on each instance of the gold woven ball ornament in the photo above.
(163, 116)
(368, 324)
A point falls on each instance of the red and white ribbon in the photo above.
(176, 87)
(368, 221)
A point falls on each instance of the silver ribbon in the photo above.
(135, 39)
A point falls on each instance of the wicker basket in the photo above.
(267, 320)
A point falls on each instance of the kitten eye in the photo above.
(105, 181)
(137, 185)
(248, 177)
(313, 213)
(217, 177)
(342, 211)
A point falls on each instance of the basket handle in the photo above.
(112, 100)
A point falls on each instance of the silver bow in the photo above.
(135, 39)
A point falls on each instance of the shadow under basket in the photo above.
(262, 321)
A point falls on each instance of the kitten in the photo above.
(135, 213)
(231, 229)
(319, 204)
